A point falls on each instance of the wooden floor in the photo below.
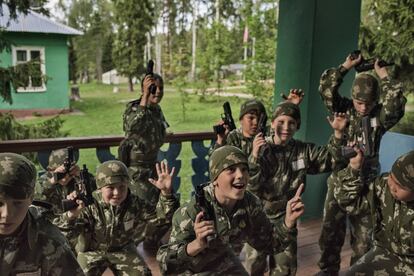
(308, 251)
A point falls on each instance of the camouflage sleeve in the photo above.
(258, 171)
(326, 158)
(329, 84)
(63, 263)
(135, 122)
(350, 193)
(213, 147)
(393, 102)
(173, 257)
(259, 237)
(166, 207)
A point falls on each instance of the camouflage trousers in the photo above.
(141, 187)
(283, 263)
(333, 232)
(379, 261)
(122, 263)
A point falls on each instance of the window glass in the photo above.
(21, 55)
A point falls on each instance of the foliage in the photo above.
(10, 129)
(17, 76)
(387, 32)
(89, 51)
(180, 80)
(133, 19)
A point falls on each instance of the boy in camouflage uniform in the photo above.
(117, 219)
(29, 243)
(250, 112)
(382, 116)
(50, 191)
(145, 129)
(390, 201)
(238, 218)
(282, 164)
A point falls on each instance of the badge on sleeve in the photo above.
(298, 164)
(128, 224)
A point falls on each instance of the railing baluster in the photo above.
(171, 155)
(199, 163)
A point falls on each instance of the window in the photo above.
(25, 54)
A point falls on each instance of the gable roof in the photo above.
(33, 23)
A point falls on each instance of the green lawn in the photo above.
(101, 114)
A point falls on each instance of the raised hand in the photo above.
(349, 62)
(258, 142)
(381, 71)
(356, 161)
(164, 182)
(338, 122)
(295, 96)
(74, 213)
(294, 208)
(221, 138)
(202, 229)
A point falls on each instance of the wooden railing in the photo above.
(102, 144)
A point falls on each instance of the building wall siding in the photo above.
(56, 61)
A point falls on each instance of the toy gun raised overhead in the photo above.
(150, 72)
(203, 205)
(67, 164)
(261, 126)
(83, 188)
(227, 120)
(365, 144)
(367, 64)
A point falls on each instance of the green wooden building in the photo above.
(36, 36)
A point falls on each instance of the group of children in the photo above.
(253, 198)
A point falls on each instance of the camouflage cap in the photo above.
(289, 109)
(111, 172)
(365, 88)
(17, 176)
(251, 105)
(403, 170)
(224, 157)
(57, 158)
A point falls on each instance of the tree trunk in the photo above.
(130, 84)
(194, 40)
(99, 70)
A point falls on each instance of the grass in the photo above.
(101, 114)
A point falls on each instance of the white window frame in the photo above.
(29, 88)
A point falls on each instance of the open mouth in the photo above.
(239, 186)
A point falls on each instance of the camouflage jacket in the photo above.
(383, 117)
(38, 249)
(110, 228)
(248, 223)
(237, 139)
(281, 169)
(393, 220)
(146, 127)
(55, 193)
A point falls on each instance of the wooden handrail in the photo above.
(33, 145)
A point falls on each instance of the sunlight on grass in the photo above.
(100, 113)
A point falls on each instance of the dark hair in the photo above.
(155, 77)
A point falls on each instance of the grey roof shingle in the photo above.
(34, 23)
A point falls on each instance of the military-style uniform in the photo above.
(36, 247)
(248, 223)
(393, 220)
(111, 232)
(55, 193)
(145, 130)
(281, 170)
(383, 116)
